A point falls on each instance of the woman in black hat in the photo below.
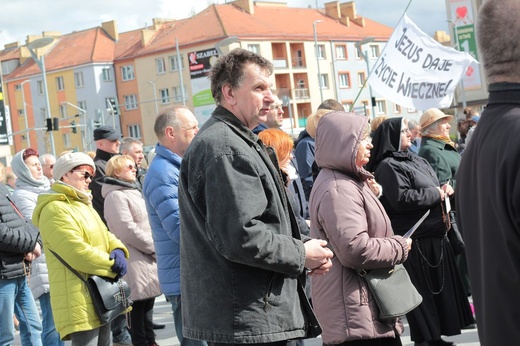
(410, 188)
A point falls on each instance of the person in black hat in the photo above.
(107, 145)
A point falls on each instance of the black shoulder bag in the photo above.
(110, 297)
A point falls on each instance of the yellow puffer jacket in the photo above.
(71, 227)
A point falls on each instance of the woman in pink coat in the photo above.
(127, 218)
(346, 213)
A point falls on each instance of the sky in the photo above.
(19, 18)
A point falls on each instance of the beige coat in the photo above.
(127, 218)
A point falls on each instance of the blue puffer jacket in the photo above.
(161, 197)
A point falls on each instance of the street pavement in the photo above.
(167, 337)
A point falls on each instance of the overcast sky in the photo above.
(19, 18)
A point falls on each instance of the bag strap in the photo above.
(67, 265)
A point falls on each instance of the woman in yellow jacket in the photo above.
(71, 228)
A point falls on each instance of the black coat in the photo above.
(17, 237)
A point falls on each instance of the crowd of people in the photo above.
(256, 238)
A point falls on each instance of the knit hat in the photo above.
(68, 162)
(431, 116)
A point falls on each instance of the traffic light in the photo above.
(53, 124)
(73, 127)
(373, 102)
(96, 124)
(114, 107)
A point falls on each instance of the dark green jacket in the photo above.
(443, 158)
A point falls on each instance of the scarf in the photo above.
(444, 139)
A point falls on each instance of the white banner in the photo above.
(415, 71)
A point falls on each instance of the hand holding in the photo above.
(448, 189)
(441, 191)
(37, 250)
(317, 255)
(409, 243)
(119, 265)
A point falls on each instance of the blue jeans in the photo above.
(50, 335)
(16, 297)
(177, 319)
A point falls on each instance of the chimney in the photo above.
(246, 5)
(332, 9)
(111, 29)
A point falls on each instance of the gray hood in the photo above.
(337, 140)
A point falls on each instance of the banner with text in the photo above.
(415, 71)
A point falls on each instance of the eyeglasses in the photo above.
(130, 167)
(85, 174)
(275, 107)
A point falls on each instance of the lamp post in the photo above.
(316, 52)
(154, 97)
(39, 43)
(365, 57)
(27, 134)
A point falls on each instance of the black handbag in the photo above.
(110, 297)
(454, 236)
(393, 291)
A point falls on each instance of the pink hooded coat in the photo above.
(346, 213)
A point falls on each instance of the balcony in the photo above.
(280, 63)
(301, 93)
(298, 62)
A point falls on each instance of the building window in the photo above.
(255, 48)
(107, 74)
(374, 51)
(20, 112)
(381, 106)
(130, 102)
(361, 78)
(161, 67)
(127, 72)
(134, 131)
(60, 85)
(357, 54)
(39, 85)
(324, 81)
(344, 80)
(66, 140)
(397, 108)
(165, 96)
(78, 79)
(367, 108)
(341, 52)
(18, 86)
(347, 105)
(177, 94)
(321, 51)
(411, 110)
(174, 64)
(82, 105)
(63, 111)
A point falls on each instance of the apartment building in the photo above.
(315, 52)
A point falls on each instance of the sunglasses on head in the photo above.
(85, 174)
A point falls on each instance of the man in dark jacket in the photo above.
(238, 231)
(19, 245)
(107, 143)
(488, 185)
